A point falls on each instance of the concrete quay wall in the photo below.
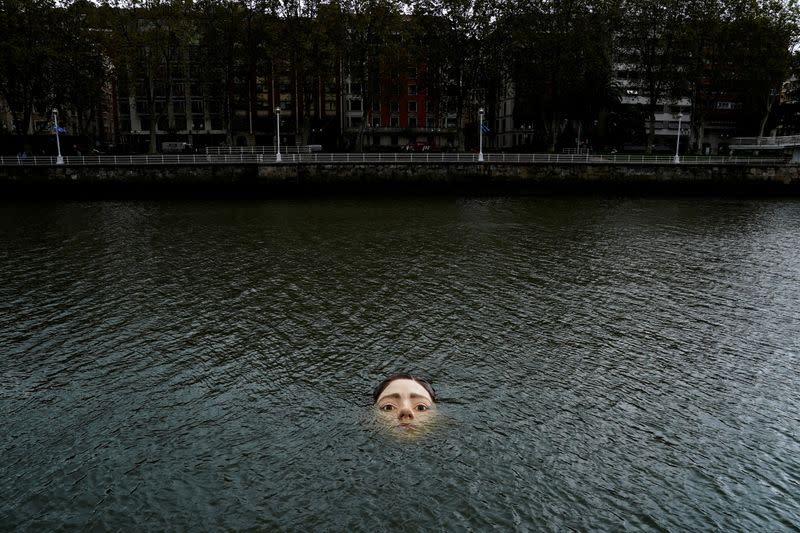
(483, 178)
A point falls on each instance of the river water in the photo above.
(604, 364)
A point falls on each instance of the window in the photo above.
(355, 88)
(395, 90)
(429, 122)
(412, 106)
(412, 89)
(412, 122)
(394, 107)
(376, 107)
(394, 122)
(355, 105)
(376, 122)
(412, 73)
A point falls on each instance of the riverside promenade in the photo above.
(302, 173)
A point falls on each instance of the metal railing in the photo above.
(384, 158)
(785, 141)
(236, 150)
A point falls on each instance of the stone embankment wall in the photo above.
(367, 178)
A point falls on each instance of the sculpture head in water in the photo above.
(405, 401)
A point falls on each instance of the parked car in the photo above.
(170, 147)
(419, 146)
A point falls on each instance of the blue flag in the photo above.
(485, 128)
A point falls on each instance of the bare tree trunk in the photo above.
(227, 114)
(701, 135)
(765, 118)
(153, 147)
(187, 96)
(151, 101)
(651, 132)
(762, 125)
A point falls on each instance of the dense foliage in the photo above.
(560, 54)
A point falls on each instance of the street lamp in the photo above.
(278, 129)
(678, 141)
(480, 135)
(59, 159)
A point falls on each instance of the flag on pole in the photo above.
(485, 128)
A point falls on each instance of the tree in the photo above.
(308, 36)
(650, 41)
(455, 41)
(27, 59)
(80, 72)
(373, 35)
(145, 46)
(764, 31)
(560, 61)
(704, 45)
(219, 42)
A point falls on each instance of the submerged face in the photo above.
(406, 404)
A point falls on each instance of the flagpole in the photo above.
(480, 135)
(59, 159)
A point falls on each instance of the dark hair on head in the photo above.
(385, 383)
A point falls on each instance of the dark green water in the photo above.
(605, 364)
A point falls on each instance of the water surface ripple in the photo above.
(605, 364)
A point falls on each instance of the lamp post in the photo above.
(278, 129)
(677, 158)
(480, 135)
(59, 159)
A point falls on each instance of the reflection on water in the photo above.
(603, 364)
